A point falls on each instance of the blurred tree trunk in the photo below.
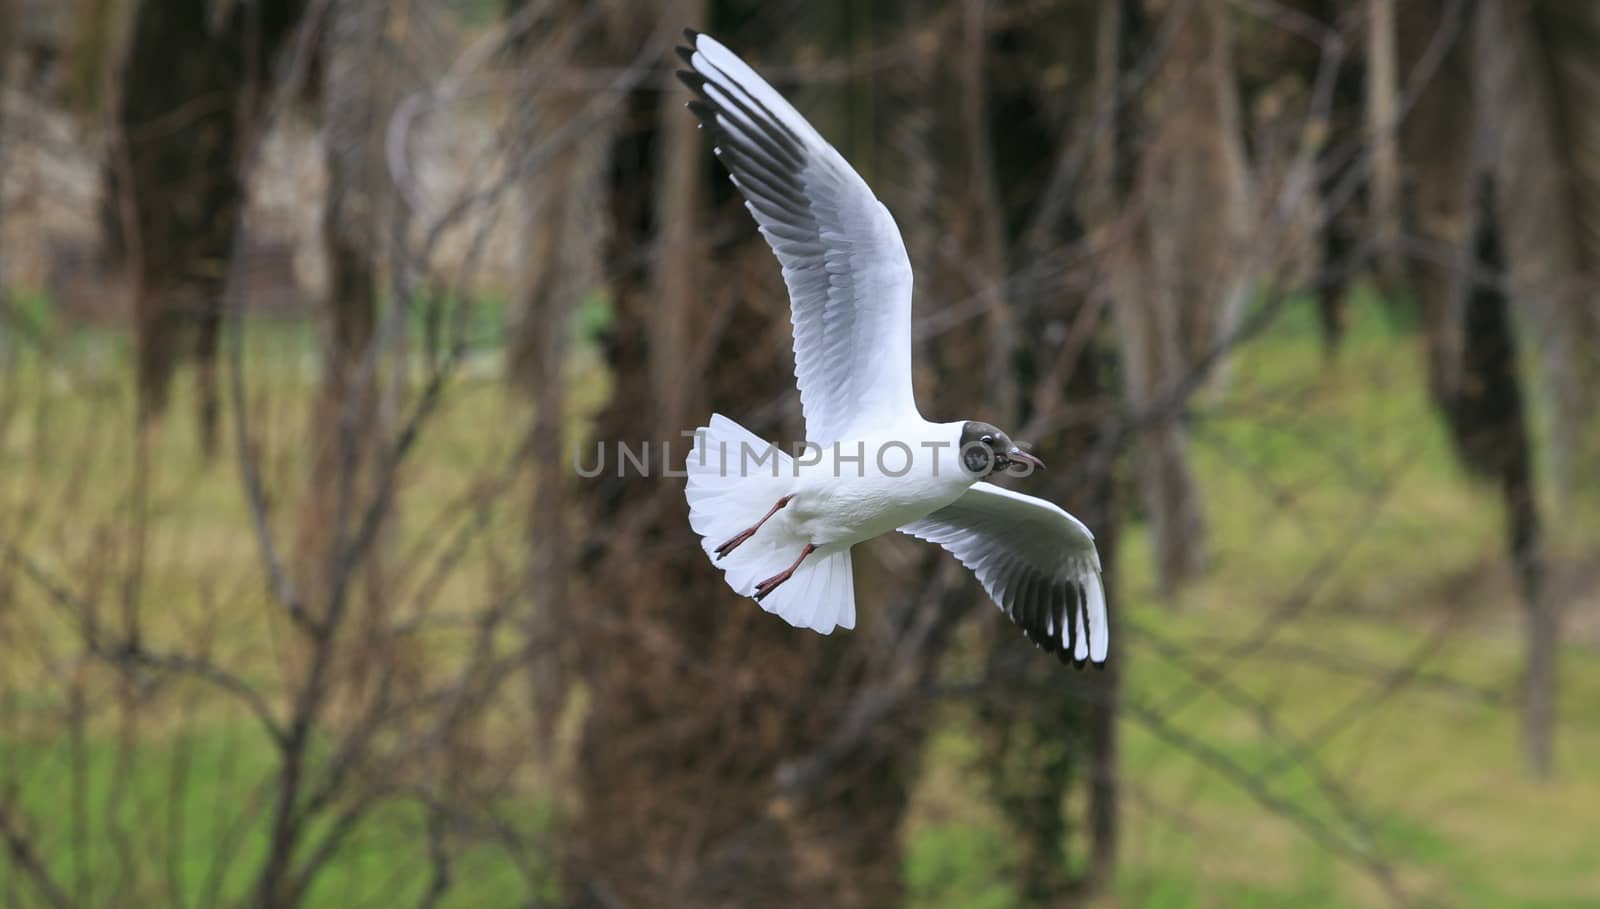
(566, 229)
(726, 759)
(1211, 189)
(356, 80)
(1277, 77)
(1538, 65)
(1488, 412)
(676, 754)
(1047, 734)
(989, 240)
(362, 229)
(1120, 30)
(1160, 228)
(1342, 226)
(1473, 372)
(96, 29)
(1437, 143)
(1383, 107)
(194, 85)
(1538, 69)
(8, 27)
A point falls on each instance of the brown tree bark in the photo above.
(566, 232)
(679, 742)
(1049, 736)
(1491, 428)
(1537, 66)
(726, 759)
(1383, 119)
(1473, 370)
(360, 221)
(1341, 228)
(1273, 61)
(1167, 266)
(988, 240)
(1538, 88)
(1437, 146)
(193, 92)
(7, 33)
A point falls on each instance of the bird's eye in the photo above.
(988, 440)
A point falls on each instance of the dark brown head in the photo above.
(985, 449)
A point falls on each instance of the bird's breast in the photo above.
(844, 501)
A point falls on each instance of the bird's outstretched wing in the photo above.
(843, 260)
(1036, 561)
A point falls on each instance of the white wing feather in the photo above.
(1037, 563)
(843, 259)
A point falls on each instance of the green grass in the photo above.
(1332, 497)
(207, 838)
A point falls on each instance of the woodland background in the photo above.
(303, 305)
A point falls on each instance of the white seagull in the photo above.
(780, 526)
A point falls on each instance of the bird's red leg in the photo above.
(771, 584)
(749, 532)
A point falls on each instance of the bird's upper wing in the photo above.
(844, 262)
(1036, 561)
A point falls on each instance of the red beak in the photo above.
(1022, 457)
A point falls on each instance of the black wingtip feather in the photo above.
(690, 35)
(706, 115)
(686, 54)
(693, 80)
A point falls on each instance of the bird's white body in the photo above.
(780, 526)
(867, 486)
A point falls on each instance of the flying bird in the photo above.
(781, 525)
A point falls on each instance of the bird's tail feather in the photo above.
(734, 478)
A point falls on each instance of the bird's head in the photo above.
(985, 449)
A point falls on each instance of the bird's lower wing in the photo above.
(1037, 563)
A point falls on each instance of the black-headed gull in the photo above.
(780, 526)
